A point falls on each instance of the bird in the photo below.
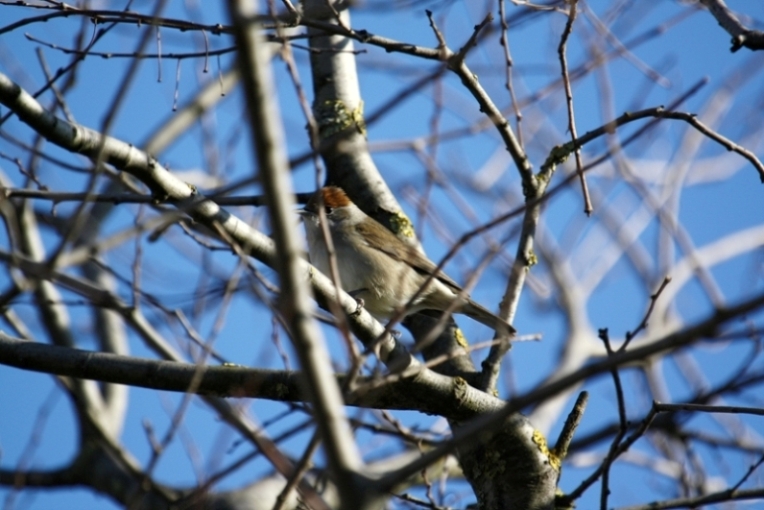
(379, 268)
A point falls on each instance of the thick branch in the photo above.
(705, 329)
(425, 391)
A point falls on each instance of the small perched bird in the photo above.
(379, 268)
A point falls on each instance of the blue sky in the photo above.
(710, 206)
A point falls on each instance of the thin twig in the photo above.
(570, 426)
(461, 55)
(442, 46)
(725, 496)
(642, 325)
(300, 469)
(612, 455)
(661, 407)
(623, 424)
(508, 63)
(132, 198)
(569, 102)
(133, 55)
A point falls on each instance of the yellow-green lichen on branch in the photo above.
(530, 260)
(401, 225)
(558, 155)
(459, 337)
(540, 441)
(334, 117)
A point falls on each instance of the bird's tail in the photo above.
(493, 321)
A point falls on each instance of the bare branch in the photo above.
(268, 138)
(569, 101)
(742, 36)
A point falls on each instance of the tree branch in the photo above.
(742, 36)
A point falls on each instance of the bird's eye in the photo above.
(328, 210)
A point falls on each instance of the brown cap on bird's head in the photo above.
(330, 196)
(334, 197)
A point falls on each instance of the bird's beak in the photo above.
(305, 214)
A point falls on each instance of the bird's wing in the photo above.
(385, 241)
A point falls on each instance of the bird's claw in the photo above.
(359, 302)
